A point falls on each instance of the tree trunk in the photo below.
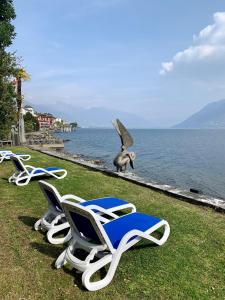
(21, 129)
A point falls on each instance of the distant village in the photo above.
(47, 121)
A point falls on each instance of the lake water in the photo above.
(181, 158)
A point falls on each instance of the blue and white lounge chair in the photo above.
(5, 151)
(6, 155)
(54, 220)
(24, 173)
(105, 239)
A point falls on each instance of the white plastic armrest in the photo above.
(102, 210)
(29, 167)
(73, 197)
(102, 219)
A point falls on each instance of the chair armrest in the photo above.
(103, 220)
(72, 197)
(29, 167)
(102, 210)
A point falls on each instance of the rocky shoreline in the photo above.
(99, 165)
(82, 158)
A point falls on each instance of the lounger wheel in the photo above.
(37, 225)
(61, 260)
(11, 178)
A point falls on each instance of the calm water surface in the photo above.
(181, 158)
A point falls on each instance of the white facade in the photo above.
(29, 109)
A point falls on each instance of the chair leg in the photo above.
(19, 178)
(61, 260)
(56, 229)
(12, 178)
(97, 285)
(37, 225)
(165, 235)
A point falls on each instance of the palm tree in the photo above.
(21, 75)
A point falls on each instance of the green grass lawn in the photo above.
(190, 265)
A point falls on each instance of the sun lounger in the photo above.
(54, 220)
(7, 154)
(24, 173)
(5, 151)
(105, 240)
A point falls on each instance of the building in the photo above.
(59, 120)
(28, 108)
(45, 120)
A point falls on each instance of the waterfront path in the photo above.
(189, 266)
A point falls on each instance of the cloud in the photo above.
(208, 49)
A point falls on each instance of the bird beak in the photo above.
(131, 163)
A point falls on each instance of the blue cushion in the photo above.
(106, 203)
(117, 228)
(38, 171)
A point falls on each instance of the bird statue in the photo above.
(125, 157)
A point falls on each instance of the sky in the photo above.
(161, 60)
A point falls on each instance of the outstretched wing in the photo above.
(126, 138)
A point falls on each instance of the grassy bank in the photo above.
(189, 266)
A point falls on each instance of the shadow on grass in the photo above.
(5, 179)
(139, 247)
(147, 244)
(47, 249)
(27, 220)
(53, 251)
(76, 275)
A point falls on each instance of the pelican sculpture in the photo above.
(125, 157)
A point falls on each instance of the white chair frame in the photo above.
(49, 221)
(22, 178)
(106, 253)
(6, 156)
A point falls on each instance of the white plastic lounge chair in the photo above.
(105, 239)
(5, 151)
(6, 155)
(24, 173)
(54, 220)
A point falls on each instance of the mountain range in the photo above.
(211, 116)
(99, 117)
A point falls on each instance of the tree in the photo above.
(20, 75)
(31, 123)
(8, 63)
(74, 125)
(7, 30)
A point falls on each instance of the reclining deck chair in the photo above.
(7, 154)
(24, 173)
(54, 220)
(5, 151)
(105, 239)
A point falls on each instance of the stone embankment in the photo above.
(44, 139)
(97, 165)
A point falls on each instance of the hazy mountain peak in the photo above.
(92, 116)
(210, 116)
